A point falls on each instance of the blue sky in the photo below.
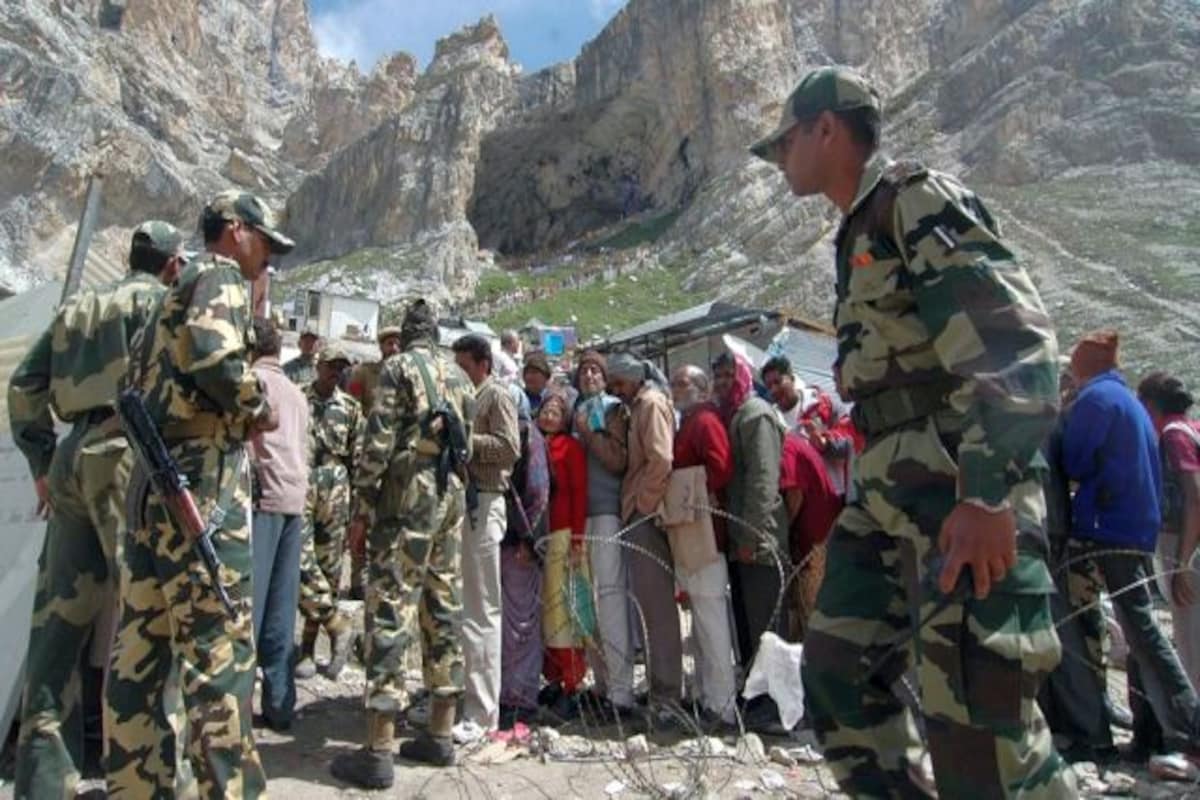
(538, 32)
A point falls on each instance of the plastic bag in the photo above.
(776, 671)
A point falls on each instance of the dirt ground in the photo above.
(579, 760)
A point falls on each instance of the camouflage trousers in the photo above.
(76, 598)
(171, 618)
(413, 559)
(979, 663)
(326, 516)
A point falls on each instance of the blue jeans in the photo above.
(276, 546)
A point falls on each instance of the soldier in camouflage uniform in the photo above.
(415, 530)
(303, 368)
(363, 381)
(335, 431)
(73, 369)
(191, 364)
(946, 350)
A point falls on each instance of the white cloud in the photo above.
(340, 36)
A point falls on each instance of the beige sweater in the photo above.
(651, 451)
(280, 457)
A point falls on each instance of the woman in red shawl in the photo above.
(565, 663)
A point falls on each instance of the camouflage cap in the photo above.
(236, 205)
(387, 333)
(158, 237)
(332, 352)
(826, 89)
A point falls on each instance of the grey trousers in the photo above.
(652, 575)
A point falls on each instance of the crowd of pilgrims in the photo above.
(628, 498)
(647, 518)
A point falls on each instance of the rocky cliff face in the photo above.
(171, 101)
(412, 177)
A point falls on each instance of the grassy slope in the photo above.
(604, 308)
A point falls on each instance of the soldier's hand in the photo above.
(42, 487)
(981, 540)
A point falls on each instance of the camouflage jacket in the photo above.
(929, 296)
(302, 370)
(75, 366)
(335, 428)
(193, 355)
(397, 443)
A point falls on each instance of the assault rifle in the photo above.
(171, 486)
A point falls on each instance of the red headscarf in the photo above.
(743, 384)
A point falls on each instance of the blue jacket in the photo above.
(1111, 449)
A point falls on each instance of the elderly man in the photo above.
(946, 351)
(648, 470)
(280, 461)
(496, 445)
(702, 442)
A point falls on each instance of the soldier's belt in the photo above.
(885, 411)
(201, 426)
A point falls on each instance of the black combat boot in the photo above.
(434, 746)
(371, 767)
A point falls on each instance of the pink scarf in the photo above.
(743, 385)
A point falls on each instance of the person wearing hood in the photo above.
(758, 525)
(602, 425)
(643, 390)
(1110, 449)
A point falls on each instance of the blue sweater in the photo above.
(1110, 448)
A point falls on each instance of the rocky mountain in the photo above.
(170, 101)
(1078, 121)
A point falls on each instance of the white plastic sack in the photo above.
(776, 671)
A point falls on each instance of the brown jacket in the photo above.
(495, 437)
(651, 451)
